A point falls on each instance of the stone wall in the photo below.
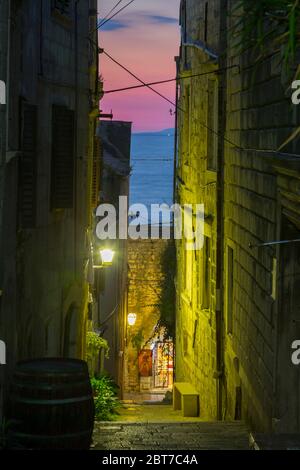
(245, 200)
(144, 287)
(196, 315)
(260, 117)
(44, 278)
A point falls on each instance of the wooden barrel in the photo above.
(52, 405)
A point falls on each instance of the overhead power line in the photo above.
(114, 15)
(217, 133)
(139, 80)
(161, 82)
(109, 13)
(150, 160)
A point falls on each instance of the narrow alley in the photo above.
(149, 225)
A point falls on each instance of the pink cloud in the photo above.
(147, 46)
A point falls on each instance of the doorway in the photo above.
(288, 374)
(163, 364)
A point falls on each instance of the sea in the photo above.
(152, 163)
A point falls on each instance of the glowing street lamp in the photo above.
(107, 257)
(131, 319)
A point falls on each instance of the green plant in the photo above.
(105, 396)
(94, 343)
(167, 298)
(167, 303)
(268, 25)
(137, 339)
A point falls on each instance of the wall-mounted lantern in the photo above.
(107, 256)
(131, 319)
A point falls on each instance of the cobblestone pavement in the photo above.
(170, 436)
(152, 413)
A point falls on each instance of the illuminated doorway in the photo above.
(163, 364)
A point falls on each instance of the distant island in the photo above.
(168, 132)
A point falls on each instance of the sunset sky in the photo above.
(144, 38)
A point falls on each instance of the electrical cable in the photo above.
(109, 13)
(167, 81)
(219, 134)
(139, 80)
(150, 159)
(113, 16)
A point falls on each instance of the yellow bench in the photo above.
(185, 398)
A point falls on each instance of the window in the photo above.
(28, 167)
(274, 279)
(205, 21)
(206, 274)
(212, 125)
(96, 173)
(63, 165)
(62, 6)
(188, 270)
(230, 285)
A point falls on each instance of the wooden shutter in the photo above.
(63, 167)
(96, 173)
(28, 167)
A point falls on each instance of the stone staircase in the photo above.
(171, 436)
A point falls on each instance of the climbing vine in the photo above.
(269, 25)
(167, 298)
(94, 343)
(167, 302)
(137, 339)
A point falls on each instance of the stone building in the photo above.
(145, 283)
(47, 185)
(237, 298)
(111, 287)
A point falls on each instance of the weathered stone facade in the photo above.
(47, 161)
(145, 277)
(112, 289)
(235, 347)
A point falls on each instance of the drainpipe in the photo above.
(76, 105)
(8, 76)
(220, 214)
(176, 133)
(3, 119)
